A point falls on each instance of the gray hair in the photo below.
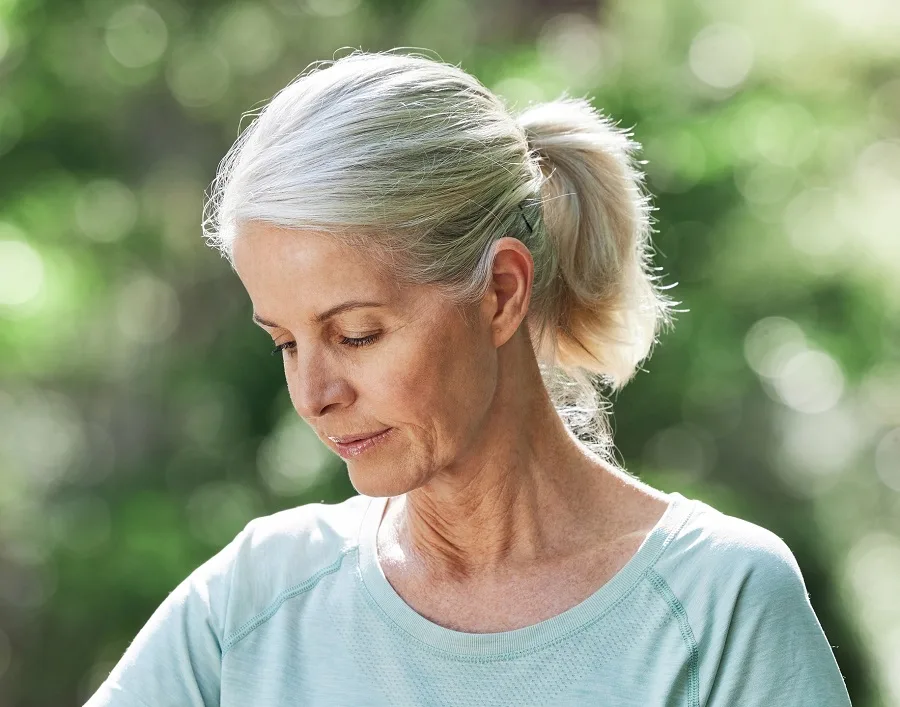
(418, 162)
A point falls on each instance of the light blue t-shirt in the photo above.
(711, 611)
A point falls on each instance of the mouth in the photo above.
(354, 445)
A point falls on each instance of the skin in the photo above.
(498, 517)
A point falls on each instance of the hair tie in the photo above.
(522, 211)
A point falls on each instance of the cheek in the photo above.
(443, 384)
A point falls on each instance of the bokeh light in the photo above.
(249, 38)
(198, 74)
(292, 459)
(136, 36)
(887, 459)
(106, 210)
(219, 510)
(721, 55)
(873, 573)
(21, 273)
(147, 309)
(810, 381)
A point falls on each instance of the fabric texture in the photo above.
(712, 611)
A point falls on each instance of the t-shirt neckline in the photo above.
(500, 644)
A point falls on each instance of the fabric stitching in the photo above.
(674, 534)
(262, 617)
(687, 634)
(512, 655)
(259, 619)
(509, 655)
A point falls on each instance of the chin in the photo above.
(378, 481)
(374, 485)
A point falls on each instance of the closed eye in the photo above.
(346, 341)
(282, 347)
(364, 341)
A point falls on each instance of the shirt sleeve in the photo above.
(775, 651)
(175, 659)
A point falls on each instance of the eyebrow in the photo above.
(327, 314)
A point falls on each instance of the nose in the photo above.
(316, 383)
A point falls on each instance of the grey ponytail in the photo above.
(422, 164)
(607, 310)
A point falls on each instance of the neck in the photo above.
(525, 491)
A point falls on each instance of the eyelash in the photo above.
(355, 343)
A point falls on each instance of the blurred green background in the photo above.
(144, 422)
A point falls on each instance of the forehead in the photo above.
(271, 260)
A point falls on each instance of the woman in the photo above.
(444, 281)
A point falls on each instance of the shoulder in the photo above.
(276, 554)
(723, 556)
(723, 569)
(712, 538)
(746, 614)
(318, 529)
(293, 544)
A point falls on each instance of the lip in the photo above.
(354, 445)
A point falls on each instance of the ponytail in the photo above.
(604, 311)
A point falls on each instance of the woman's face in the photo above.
(400, 359)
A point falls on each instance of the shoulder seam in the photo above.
(259, 619)
(674, 533)
(687, 634)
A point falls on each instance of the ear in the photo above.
(506, 301)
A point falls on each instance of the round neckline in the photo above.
(500, 644)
